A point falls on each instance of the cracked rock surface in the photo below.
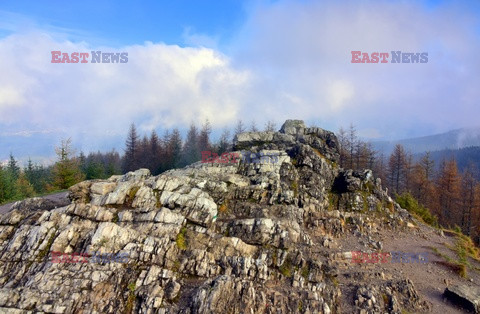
(209, 238)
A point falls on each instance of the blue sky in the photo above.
(120, 23)
(229, 60)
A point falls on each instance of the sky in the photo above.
(189, 61)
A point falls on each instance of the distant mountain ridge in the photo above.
(454, 139)
(463, 156)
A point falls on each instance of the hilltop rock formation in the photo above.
(211, 238)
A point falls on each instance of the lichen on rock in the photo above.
(208, 238)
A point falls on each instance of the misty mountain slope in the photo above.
(454, 139)
(270, 237)
(463, 156)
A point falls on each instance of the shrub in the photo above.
(408, 202)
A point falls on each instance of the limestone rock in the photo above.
(465, 296)
(242, 237)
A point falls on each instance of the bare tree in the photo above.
(239, 128)
(396, 168)
(270, 126)
(351, 143)
(343, 141)
(253, 126)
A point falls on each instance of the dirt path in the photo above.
(431, 278)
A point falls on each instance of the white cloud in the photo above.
(369, 133)
(194, 39)
(10, 97)
(161, 85)
(304, 49)
(339, 92)
(290, 60)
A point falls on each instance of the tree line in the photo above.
(169, 151)
(438, 190)
(154, 152)
(36, 179)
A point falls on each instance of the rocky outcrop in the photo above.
(208, 238)
(467, 297)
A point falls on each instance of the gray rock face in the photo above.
(41, 203)
(465, 296)
(293, 127)
(208, 238)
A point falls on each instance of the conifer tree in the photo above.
(470, 199)
(190, 152)
(131, 150)
(224, 143)
(13, 168)
(427, 165)
(144, 153)
(66, 171)
(175, 149)
(448, 193)
(204, 137)
(3, 185)
(396, 168)
(155, 151)
(239, 128)
(10, 175)
(351, 144)
(23, 188)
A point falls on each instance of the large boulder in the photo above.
(465, 296)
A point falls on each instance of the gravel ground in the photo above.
(430, 279)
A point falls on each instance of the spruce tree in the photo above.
(204, 137)
(470, 199)
(154, 158)
(448, 193)
(131, 150)
(190, 152)
(175, 148)
(3, 186)
(66, 171)
(224, 143)
(13, 168)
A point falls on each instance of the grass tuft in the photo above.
(131, 195)
(294, 186)
(181, 239)
(305, 272)
(457, 267)
(286, 268)
(46, 249)
(131, 298)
